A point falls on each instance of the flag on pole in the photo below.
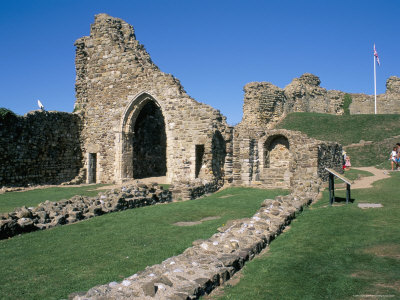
(376, 55)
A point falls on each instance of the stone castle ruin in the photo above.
(133, 121)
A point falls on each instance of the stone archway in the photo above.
(143, 144)
(149, 143)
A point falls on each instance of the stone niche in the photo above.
(276, 152)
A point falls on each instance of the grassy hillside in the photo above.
(344, 129)
(350, 129)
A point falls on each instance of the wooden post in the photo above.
(331, 188)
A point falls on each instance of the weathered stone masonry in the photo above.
(120, 90)
(131, 121)
(116, 81)
(268, 104)
(41, 147)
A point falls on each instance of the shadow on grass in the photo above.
(341, 200)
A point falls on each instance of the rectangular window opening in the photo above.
(92, 168)
(199, 159)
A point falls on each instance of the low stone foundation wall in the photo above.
(50, 214)
(209, 263)
(182, 191)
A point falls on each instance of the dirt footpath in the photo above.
(366, 182)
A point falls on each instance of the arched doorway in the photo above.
(218, 150)
(149, 143)
(144, 139)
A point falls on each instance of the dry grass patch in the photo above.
(361, 274)
(394, 286)
(227, 196)
(391, 251)
(192, 223)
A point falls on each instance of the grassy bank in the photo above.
(346, 129)
(351, 129)
(51, 264)
(338, 252)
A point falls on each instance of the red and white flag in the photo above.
(376, 55)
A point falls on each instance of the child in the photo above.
(344, 154)
(393, 158)
(347, 164)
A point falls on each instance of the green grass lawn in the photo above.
(354, 174)
(53, 263)
(335, 252)
(10, 201)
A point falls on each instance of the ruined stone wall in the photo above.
(49, 214)
(329, 156)
(387, 103)
(265, 104)
(190, 190)
(116, 78)
(39, 148)
(304, 94)
(280, 158)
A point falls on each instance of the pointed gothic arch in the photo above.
(143, 139)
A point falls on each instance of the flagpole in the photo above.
(375, 77)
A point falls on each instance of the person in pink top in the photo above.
(348, 163)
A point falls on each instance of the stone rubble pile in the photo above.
(209, 263)
(50, 214)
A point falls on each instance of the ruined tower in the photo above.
(138, 121)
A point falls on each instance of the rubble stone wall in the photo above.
(40, 147)
(50, 214)
(189, 190)
(116, 79)
(280, 158)
(265, 104)
(304, 94)
(387, 103)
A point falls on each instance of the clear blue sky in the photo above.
(214, 47)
